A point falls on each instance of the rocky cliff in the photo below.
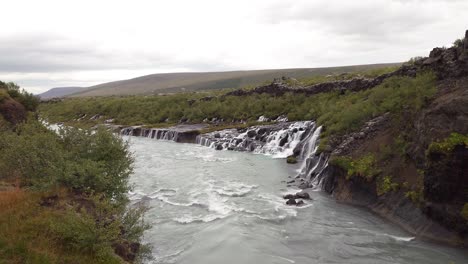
(423, 190)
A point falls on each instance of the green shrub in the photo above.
(459, 43)
(447, 145)
(464, 211)
(83, 160)
(385, 184)
(364, 167)
(416, 196)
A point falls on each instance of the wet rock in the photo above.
(291, 159)
(300, 203)
(291, 202)
(251, 133)
(219, 147)
(217, 135)
(303, 185)
(292, 181)
(283, 140)
(289, 196)
(262, 131)
(303, 195)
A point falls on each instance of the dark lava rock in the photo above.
(284, 140)
(217, 135)
(262, 131)
(219, 147)
(127, 251)
(289, 196)
(300, 203)
(303, 195)
(251, 133)
(291, 202)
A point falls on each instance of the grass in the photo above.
(31, 233)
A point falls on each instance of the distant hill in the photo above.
(197, 81)
(59, 92)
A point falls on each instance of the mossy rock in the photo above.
(291, 159)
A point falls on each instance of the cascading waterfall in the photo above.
(278, 140)
(153, 133)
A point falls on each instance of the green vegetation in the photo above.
(394, 95)
(63, 195)
(448, 144)
(212, 81)
(459, 43)
(416, 196)
(291, 160)
(28, 100)
(364, 166)
(464, 211)
(385, 185)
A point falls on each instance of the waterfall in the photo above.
(279, 140)
(153, 133)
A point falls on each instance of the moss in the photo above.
(464, 212)
(446, 145)
(364, 166)
(291, 160)
(416, 196)
(385, 185)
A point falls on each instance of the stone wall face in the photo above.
(466, 42)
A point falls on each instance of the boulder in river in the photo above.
(251, 133)
(291, 202)
(303, 195)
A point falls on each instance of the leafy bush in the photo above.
(464, 211)
(385, 184)
(83, 160)
(28, 100)
(447, 145)
(416, 196)
(459, 43)
(364, 167)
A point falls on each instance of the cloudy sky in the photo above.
(45, 44)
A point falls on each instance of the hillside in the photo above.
(63, 194)
(59, 92)
(396, 143)
(196, 81)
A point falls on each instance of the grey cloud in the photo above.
(374, 20)
(47, 53)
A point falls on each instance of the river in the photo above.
(211, 206)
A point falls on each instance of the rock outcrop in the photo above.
(433, 187)
(179, 133)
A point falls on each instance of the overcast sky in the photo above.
(45, 44)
